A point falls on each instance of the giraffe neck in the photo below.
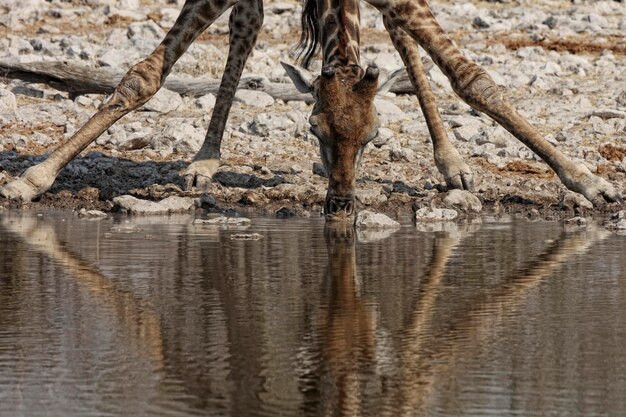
(340, 31)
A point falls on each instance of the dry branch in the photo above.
(75, 79)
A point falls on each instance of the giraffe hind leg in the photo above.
(456, 172)
(245, 23)
(476, 87)
(139, 84)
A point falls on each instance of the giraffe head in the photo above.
(344, 120)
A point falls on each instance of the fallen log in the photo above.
(77, 80)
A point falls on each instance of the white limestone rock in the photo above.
(617, 221)
(384, 135)
(426, 214)
(129, 4)
(387, 107)
(246, 236)
(575, 201)
(145, 30)
(253, 98)
(466, 132)
(114, 58)
(171, 204)
(551, 68)
(267, 124)
(371, 195)
(206, 102)
(164, 101)
(462, 200)
(576, 221)
(91, 214)
(8, 103)
(414, 127)
(223, 221)
(499, 137)
(282, 7)
(180, 135)
(366, 219)
(606, 114)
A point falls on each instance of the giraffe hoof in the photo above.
(199, 173)
(596, 189)
(30, 185)
(606, 196)
(19, 189)
(456, 172)
(461, 181)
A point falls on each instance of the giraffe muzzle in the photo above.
(338, 208)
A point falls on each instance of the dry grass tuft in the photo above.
(612, 152)
(574, 45)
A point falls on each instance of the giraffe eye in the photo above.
(315, 130)
(372, 136)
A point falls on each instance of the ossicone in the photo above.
(369, 82)
(328, 71)
(372, 72)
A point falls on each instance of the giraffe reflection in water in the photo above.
(136, 319)
(342, 348)
(352, 384)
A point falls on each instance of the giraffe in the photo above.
(344, 116)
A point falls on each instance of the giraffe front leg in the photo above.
(456, 172)
(245, 23)
(139, 84)
(477, 88)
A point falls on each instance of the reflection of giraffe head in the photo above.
(349, 323)
(344, 120)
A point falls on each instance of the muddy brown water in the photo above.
(156, 316)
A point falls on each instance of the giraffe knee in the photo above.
(138, 86)
(481, 91)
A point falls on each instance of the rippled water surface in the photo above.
(156, 316)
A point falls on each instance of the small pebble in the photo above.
(246, 236)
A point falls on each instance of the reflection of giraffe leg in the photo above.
(350, 325)
(137, 320)
(139, 84)
(421, 364)
(349, 328)
(456, 172)
(476, 87)
(245, 22)
(408, 398)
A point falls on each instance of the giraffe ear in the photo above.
(301, 78)
(384, 84)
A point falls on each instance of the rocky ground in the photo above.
(563, 64)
